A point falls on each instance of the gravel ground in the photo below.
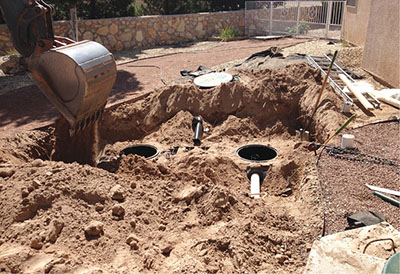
(343, 181)
(316, 47)
(139, 53)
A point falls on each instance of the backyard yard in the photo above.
(189, 208)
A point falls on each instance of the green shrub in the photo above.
(230, 32)
(303, 28)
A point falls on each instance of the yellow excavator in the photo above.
(76, 77)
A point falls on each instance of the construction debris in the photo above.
(343, 252)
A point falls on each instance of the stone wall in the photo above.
(125, 33)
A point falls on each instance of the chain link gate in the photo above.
(301, 17)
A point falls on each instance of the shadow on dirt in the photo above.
(125, 85)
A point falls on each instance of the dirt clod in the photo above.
(133, 241)
(36, 243)
(38, 163)
(118, 211)
(6, 172)
(94, 228)
(55, 229)
(117, 193)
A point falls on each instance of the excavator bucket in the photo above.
(76, 78)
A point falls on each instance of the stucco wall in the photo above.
(382, 45)
(124, 33)
(356, 22)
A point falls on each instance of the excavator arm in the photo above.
(77, 77)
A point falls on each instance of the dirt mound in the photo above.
(187, 209)
(268, 96)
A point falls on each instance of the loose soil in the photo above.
(183, 212)
(188, 211)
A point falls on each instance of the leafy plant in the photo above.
(230, 32)
(303, 28)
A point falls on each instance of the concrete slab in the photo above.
(343, 252)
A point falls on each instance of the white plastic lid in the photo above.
(212, 79)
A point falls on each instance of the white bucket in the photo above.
(347, 141)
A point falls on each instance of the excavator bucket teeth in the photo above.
(77, 79)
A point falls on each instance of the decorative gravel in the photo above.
(343, 181)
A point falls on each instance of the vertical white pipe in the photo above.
(255, 185)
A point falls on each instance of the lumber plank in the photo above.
(356, 91)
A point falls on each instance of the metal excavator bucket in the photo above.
(77, 79)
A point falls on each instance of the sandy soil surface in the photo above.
(188, 211)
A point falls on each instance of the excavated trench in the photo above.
(188, 204)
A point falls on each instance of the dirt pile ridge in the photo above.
(183, 212)
(284, 95)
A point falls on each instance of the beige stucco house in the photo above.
(375, 24)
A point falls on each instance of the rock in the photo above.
(125, 37)
(102, 31)
(99, 207)
(222, 200)
(203, 252)
(94, 228)
(133, 223)
(133, 241)
(6, 172)
(87, 35)
(38, 163)
(281, 258)
(36, 243)
(188, 193)
(113, 29)
(118, 210)
(111, 39)
(12, 65)
(119, 46)
(139, 36)
(181, 27)
(55, 230)
(24, 192)
(166, 249)
(36, 183)
(117, 193)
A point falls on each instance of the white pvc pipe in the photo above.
(347, 141)
(255, 185)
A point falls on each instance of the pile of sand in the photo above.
(183, 212)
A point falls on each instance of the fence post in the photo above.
(328, 18)
(298, 17)
(245, 18)
(270, 17)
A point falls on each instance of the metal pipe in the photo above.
(387, 199)
(197, 125)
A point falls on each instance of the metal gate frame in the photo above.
(299, 16)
